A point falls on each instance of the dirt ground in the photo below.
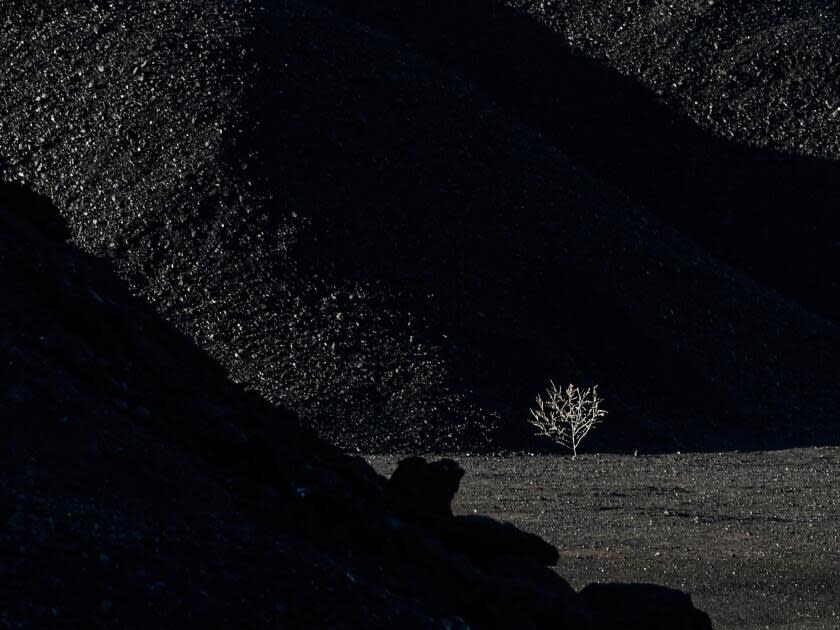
(753, 537)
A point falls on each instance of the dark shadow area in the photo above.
(518, 265)
(770, 215)
(140, 488)
(352, 219)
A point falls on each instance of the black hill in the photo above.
(378, 232)
(243, 242)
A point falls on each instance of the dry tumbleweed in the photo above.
(567, 416)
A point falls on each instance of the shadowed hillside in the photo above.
(388, 236)
(140, 488)
(768, 211)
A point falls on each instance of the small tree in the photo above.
(567, 416)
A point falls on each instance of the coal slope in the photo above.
(377, 227)
(720, 117)
(140, 488)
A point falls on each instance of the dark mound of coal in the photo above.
(764, 74)
(672, 110)
(361, 228)
(764, 80)
(140, 488)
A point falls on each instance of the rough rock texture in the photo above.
(140, 488)
(357, 225)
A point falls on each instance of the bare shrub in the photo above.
(567, 416)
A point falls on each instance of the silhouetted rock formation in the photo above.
(643, 606)
(427, 487)
(424, 490)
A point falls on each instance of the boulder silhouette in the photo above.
(426, 487)
(643, 607)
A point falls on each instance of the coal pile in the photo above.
(241, 239)
(363, 217)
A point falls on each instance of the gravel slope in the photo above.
(357, 232)
(765, 74)
(764, 210)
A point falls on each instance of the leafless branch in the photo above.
(567, 416)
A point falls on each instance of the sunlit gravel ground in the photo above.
(753, 537)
